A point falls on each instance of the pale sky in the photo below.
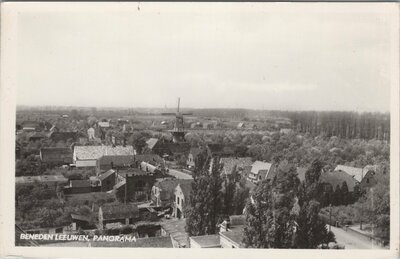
(257, 56)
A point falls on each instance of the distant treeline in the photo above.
(341, 124)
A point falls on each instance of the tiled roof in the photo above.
(106, 174)
(337, 178)
(117, 160)
(259, 165)
(95, 152)
(357, 173)
(151, 142)
(229, 163)
(120, 211)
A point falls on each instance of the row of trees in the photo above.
(342, 124)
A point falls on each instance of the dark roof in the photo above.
(123, 160)
(80, 217)
(133, 172)
(80, 183)
(106, 174)
(221, 150)
(337, 178)
(120, 211)
(186, 188)
(149, 158)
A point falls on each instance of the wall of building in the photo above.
(85, 163)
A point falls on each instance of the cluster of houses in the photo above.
(144, 177)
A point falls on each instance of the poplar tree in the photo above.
(205, 209)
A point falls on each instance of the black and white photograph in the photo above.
(201, 125)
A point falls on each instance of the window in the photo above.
(177, 200)
(367, 180)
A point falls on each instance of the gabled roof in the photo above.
(79, 183)
(337, 178)
(120, 211)
(186, 188)
(168, 186)
(229, 163)
(124, 160)
(257, 166)
(106, 174)
(149, 158)
(95, 152)
(151, 142)
(357, 173)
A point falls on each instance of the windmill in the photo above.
(178, 132)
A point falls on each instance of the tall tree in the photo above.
(311, 230)
(270, 218)
(205, 209)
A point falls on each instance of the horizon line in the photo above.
(196, 108)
